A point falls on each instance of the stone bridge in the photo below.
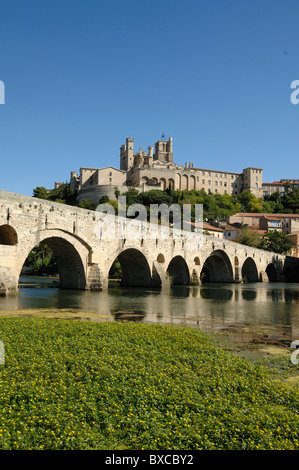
(84, 257)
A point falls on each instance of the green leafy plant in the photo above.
(89, 385)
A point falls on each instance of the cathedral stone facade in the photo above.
(155, 169)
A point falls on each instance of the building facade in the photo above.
(279, 186)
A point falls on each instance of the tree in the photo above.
(249, 202)
(115, 270)
(132, 197)
(104, 199)
(85, 204)
(40, 192)
(291, 200)
(275, 241)
(41, 260)
(155, 196)
(63, 194)
(270, 206)
(249, 237)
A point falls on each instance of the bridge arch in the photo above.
(135, 268)
(161, 258)
(71, 254)
(178, 271)
(8, 235)
(217, 268)
(272, 273)
(249, 271)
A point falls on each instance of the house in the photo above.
(214, 231)
(286, 223)
(230, 231)
(208, 229)
(270, 222)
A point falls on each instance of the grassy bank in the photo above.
(86, 385)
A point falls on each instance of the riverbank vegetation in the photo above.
(89, 385)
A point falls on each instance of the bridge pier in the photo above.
(95, 280)
(8, 278)
(263, 277)
(8, 282)
(195, 277)
(7, 289)
(159, 277)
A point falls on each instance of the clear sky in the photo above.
(82, 75)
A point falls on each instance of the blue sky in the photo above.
(82, 75)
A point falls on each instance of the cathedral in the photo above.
(155, 169)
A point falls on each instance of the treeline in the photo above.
(216, 207)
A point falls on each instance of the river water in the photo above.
(267, 311)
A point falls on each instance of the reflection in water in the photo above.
(179, 291)
(292, 295)
(209, 305)
(249, 294)
(217, 292)
(275, 294)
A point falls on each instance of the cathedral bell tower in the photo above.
(163, 151)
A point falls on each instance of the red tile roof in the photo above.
(264, 214)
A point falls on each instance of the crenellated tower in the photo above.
(127, 154)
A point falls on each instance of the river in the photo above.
(261, 310)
